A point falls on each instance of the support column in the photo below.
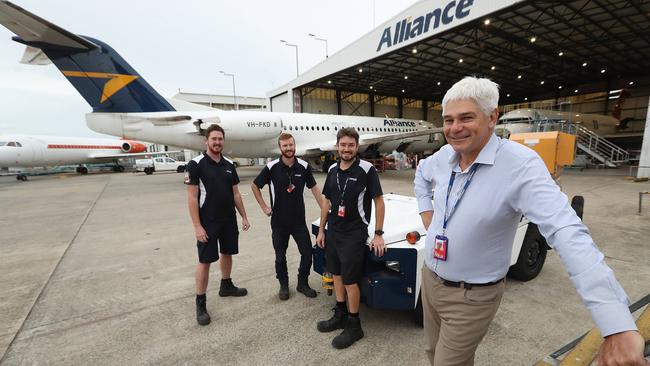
(400, 107)
(371, 97)
(425, 110)
(338, 102)
(644, 161)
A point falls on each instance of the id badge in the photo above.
(341, 211)
(440, 247)
(290, 188)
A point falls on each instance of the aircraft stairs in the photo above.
(592, 144)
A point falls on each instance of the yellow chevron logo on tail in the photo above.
(112, 86)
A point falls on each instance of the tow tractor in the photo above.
(393, 280)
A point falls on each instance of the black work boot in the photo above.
(229, 289)
(337, 321)
(303, 286)
(351, 333)
(202, 316)
(283, 294)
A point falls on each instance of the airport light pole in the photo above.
(322, 40)
(296, 47)
(234, 93)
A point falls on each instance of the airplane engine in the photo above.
(133, 147)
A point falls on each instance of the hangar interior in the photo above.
(583, 56)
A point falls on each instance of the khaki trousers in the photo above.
(456, 319)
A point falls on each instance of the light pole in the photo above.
(234, 93)
(322, 40)
(296, 47)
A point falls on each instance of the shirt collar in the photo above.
(486, 156)
(285, 166)
(205, 155)
(356, 162)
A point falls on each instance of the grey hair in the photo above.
(483, 91)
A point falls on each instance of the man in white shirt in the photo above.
(482, 185)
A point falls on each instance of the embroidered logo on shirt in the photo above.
(228, 171)
(353, 179)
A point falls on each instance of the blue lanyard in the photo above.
(472, 171)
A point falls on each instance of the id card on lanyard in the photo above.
(441, 242)
(341, 210)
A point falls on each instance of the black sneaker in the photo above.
(351, 333)
(229, 289)
(202, 316)
(337, 321)
(283, 294)
(306, 290)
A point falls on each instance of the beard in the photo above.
(350, 158)
(288, 154)
(215, 149)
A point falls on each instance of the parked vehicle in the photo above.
(159, 164)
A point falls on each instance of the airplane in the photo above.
(37, 150)
(125, 105)
(532, 120)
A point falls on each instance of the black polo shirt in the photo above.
(362, 186)
(288, 207)
(215, 181)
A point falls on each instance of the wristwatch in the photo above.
(379, 232)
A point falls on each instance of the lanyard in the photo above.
(472, 171)
(338, 185)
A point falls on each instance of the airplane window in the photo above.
(301, 128)
(328, 128)
(11, 143)
(335, 128)
(312, 128)
(275, 124)
(19, 144)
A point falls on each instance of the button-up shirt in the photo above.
(512, 181)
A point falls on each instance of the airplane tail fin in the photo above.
(104, 79)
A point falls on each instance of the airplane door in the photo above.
(37, 150)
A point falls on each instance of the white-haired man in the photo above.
(471, 226)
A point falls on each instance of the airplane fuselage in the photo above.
(35, 150)
(254, 134)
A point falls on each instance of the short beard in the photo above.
(351, 159)
(286, 154)
(214, 149)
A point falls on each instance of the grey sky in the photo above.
(179, 45)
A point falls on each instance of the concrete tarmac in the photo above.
(99, 269)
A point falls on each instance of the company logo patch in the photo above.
(115, 83)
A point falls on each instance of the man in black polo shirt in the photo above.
(350, 186)
(212, 197)
(287, 177)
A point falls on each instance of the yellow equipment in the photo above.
(557, 149)
(328, 282)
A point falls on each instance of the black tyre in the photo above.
(148, 171)
(120, 168)
(180, 169)
(23, 178)
(418, 315)
(83, 170)
(578, 205)
(531, 256)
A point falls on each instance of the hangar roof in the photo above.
(534, 49)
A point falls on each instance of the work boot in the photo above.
(303, 286)
(202, 316)
(229, 289)
(337, 321)
(283, 294)
(351, 333)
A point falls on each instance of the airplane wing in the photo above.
(365, 140)
(130, 155)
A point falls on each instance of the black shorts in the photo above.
(346, 253)
(226, 234)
